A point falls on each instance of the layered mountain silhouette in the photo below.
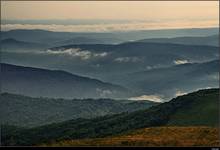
(128, 58)
(144, 68)
(212, 40)
(79, 40)
(54, 83)
(49, 37)
(179, 78)
(16, 45)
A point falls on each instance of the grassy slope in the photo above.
(155, 136)
(116, 124)
(204, 111)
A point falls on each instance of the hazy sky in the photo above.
(109, 9)
(183, 13)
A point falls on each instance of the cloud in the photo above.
(180, 93)
(208, 87)
(101, 54)
(154, 98)
(103, 93)
(127, 59)
(77, 52)
(102, 27)
(214, 76)
(179, 62)
(154, 67)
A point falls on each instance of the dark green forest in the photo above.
(168, 113)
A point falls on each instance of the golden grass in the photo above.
(155, 136)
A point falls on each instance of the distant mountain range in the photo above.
(132, 57)
(151, 66)
(212, 40)
(79, 40)
(54, 83)
(182, 78)
(199, 108)
(179, 78)
(102, 61)
(16, 45)
(49, 37)
(26, 111)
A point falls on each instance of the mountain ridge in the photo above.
(109, 125)
(17, 45)
(211, 40)
(42, 111)
(55, 83)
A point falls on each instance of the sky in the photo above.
(141, 14)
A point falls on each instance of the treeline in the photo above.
(109, 125)
(26, 111)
